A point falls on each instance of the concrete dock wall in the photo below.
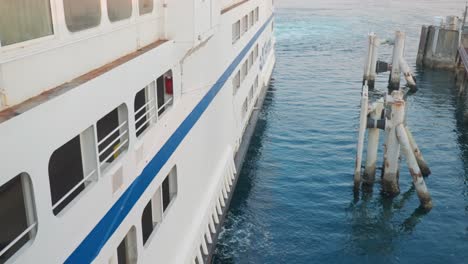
(438, 48)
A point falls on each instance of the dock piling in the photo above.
(425, 170)
(398, 50)
(372, 145)
(418, 180)
(362, 133)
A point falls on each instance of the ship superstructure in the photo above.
(119, 124)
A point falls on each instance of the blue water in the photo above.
(294, 202)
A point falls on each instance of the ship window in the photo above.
(17, 216)
(145, 6)
(251, 93)
(22, 20)
(127, 249)
(152, 216)
(244, 109)
(256, 83)
(244, 70)
(165, 92)
(251, 18)
(236, 82)
(236, 31)
(145, 108)
(245, 24)
(112, 134)
(256, 52)
(169, 188)
(251, 59)
(256, 14)
(83, 14)
(71, 168)
(119, 9)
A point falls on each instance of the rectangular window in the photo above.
(256, 52)
(251, 18)
(251, 59)
(245, 24)
(18, 223)
(236, 31)
(112, 135)
(22, 20)
(251, 94)
(145, 108)
(236, 81)
(83, 14)
(165, 92)
(71, 168)
(256, 14)
(127, 250)
(256, 83)
(119, 9)
(145, 6)
(169, 189)
(244, 70)
(244, 109)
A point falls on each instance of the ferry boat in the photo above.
(123, 125)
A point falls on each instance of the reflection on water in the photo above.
(294, 202)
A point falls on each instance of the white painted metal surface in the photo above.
(198, 50)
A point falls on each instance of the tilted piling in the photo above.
(425, 170)
(409, 76)
(362, 133)
(418, 180)
(368, 63)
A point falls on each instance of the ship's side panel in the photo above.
(196, 133)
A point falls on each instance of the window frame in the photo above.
(95, 27)
(30, 214)
(118, 20)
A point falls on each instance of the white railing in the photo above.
(121, 135)
(149, 114)
(169, 102)
(18, 238)
(73, 189)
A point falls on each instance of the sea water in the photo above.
(294, 201)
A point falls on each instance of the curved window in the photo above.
(22, 20)
(82, 14)
(145, 6)
(18, 224)
(119, 9)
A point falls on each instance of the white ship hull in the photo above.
(194, 141)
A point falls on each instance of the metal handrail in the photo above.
(165, 104)
(145, 114)
(113, 152)
(73, 189)
(111, 133)
(112, 143)
(145, 105)
(12, 243)
(151, 116)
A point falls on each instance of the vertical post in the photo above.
(398, 50)
(417, 154)
(373, 64)
(362, 132)
(422, 45)
(372, 146)
(418, 181)
(367, 64)
(392, 148)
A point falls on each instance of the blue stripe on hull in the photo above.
(90, 247)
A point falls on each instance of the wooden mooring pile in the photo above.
(388, 114)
